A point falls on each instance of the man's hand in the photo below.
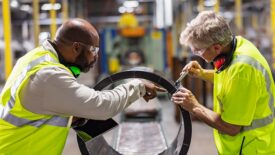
(151, 90)
(194, 69)
(185, 99)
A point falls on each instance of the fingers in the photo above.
(184, 90)
(152, 86)
(182, 95)
(193, 68)
(149, 95)
(151, 92)
(187, 66)
(160, 89)
(190, 65)
(185, 99)
(177, 100)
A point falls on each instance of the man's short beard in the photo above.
(82, 63)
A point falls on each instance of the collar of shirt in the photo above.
(48, 46)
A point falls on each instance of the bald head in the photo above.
(77, 30)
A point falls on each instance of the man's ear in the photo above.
(76, 48)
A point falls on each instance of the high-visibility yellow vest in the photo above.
(244, 95)
(23, 132)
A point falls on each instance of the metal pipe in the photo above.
(238, 15)
(272, 12)
(254, 21)
(217, 6)
(53, 26)
(201, 5)
(36, 24)
(7, 37)
(65, 14)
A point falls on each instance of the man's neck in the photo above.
(60, 56)
(228, 48)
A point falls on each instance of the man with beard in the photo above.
(41, 94)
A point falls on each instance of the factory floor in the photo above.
(202, 142)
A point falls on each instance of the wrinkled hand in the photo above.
(185, 99)
(151, 90)
(194, 69)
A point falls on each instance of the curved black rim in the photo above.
(185, 121)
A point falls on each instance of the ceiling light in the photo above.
(210, 3)
(14, 4)
(26, 8)
(129, 10)
(49, 6)
(122, 9)
(131, 4)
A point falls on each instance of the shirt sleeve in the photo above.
(241, 94)
(55, 91)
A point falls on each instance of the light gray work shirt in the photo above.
(55, 91)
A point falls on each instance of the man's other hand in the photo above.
(151, 90)
(194, 69)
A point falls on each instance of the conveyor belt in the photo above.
(179, 146)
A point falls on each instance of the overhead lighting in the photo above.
(130, 4)
(122, 9)
(129, 10)
(49, 6)
(26, 8)
(14, 4)
(210, 3)
(228, 15)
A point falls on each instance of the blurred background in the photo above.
(136, 33)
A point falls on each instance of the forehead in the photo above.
(94, 41)
(94, 37)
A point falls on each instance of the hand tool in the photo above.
(182, 75)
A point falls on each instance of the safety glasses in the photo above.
(94, 50)
(199, 51)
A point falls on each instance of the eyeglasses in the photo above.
(94, 50)
(199, 51)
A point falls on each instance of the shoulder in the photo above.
(53, 73)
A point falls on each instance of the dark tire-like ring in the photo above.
(180, 145)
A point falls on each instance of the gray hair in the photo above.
(206, 29)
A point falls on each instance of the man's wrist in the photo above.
(195, 109)
(202, 74)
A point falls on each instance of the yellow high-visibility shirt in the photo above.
(244, 95)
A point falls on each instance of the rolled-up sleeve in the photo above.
(55, 91)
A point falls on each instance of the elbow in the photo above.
(229, 129)
(233, 133)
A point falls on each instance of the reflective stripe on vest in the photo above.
(18, 121)
(257, 123)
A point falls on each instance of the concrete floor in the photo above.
(202, 138)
